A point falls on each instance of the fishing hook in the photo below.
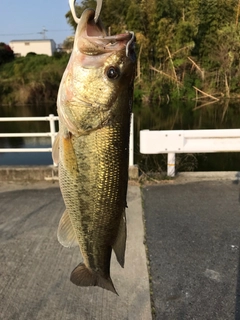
(73, 10)
(98, 10)
(130, 42)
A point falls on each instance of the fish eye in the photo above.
(113, 73)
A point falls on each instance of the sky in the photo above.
(24, 20)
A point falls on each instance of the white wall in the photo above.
(23, 47)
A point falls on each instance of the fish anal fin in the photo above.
(84, 277)
(55, 149)
(65, 234)
(119, 245)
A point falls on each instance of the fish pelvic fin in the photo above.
(119, 245)
(85, 277)
(65, 234)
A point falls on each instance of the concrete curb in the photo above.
(209, 175)
(28, 173)
(50, 173)
(41, 173)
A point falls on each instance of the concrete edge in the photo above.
(208, 175)
(28, 173)
(41, 173)
(50, 173)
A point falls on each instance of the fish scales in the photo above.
(93, 142)
(98, 192)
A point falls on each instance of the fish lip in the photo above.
(95, 33)
(88, 27)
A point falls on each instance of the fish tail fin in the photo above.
(84, 277)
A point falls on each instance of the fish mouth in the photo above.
(93, 39)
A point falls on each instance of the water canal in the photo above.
(167, 116)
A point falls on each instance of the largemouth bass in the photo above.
(94, 106)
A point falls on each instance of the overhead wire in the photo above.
(24, 34)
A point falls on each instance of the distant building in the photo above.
(41, 46)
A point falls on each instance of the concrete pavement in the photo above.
(193, 239)
(35, 268)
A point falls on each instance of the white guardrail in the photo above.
(188, 141)
(51, 134)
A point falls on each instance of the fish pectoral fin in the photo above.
(84, 277)
(63, 118)
(55, 149)
(119, 245)
(68, 156)
(65, 234)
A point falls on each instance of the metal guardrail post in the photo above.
(52, 128)
(171, 164)
(52, 132)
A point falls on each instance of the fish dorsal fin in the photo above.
(65, 234)
(119, 245)
(55, 149)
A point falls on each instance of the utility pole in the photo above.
(43, 32)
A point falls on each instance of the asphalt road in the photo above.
(35, 268)
(193, 239)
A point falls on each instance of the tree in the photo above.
(213, 15)
(6, 53)
(176, 39)
(225, 57)
(68, 44)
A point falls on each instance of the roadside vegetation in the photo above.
(33, 79)
(188, 50)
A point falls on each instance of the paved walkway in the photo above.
(193, 238)
(35, 268)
